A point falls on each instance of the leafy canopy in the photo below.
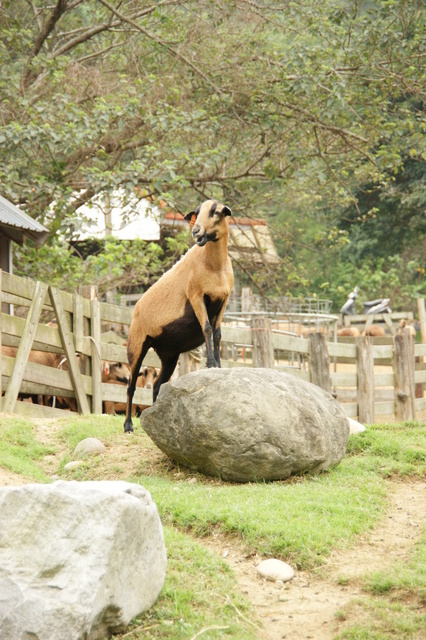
(313, 106)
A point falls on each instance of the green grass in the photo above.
(406, 579)
(301, 521)
(392, 449)
(200, 591)
(383, 619)
(20, 452)
(297, 522)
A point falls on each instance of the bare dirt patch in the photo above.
(308, 606)
(7, 478)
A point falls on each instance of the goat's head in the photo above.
(115, 371)
(208, 221)
(147, 377)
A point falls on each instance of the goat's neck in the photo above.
(216, 253)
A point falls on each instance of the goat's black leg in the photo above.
(134, 368)
(167, 368)
(217, 335)
(208, 333)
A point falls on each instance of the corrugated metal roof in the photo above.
(12, 216)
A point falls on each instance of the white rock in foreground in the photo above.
(77, 559)
(273, 569)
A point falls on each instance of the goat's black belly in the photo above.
(183, 334)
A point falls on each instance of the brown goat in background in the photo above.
(184, 308)
(375, 331)
(352, 332)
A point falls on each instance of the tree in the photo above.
(193, 99)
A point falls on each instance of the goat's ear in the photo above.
(107, 368)
(226, 211)
(192, 216)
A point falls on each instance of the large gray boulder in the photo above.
(77, 559)
(246, 425)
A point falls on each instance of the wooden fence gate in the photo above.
(369, 377)
(77, 337)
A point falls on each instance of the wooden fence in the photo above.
(78, 333)
(369, 377)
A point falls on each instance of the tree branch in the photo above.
(59, 9)
(170, 50)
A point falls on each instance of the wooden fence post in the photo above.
(319, 361)
(420, 387)
(189, 361)
(246, 300)
(24, 348)
(263, 350)
(69, 349)
(1, 309)
(422, 318)
(95, 334)
(365, 379)
(403, 364)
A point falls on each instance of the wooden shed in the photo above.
(15, 226)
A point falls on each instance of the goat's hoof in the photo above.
(128, 427)
(212, 364)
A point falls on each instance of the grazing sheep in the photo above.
(352, 332)
(184, 308)
(375, 331)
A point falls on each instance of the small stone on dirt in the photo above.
(90, 445)
(74, 464)
(274, 570)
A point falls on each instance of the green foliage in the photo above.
(116, 263)
(318, 107)
(381, 618)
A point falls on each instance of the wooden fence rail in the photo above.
(369, 377)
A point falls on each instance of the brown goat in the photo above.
(349, 331)
(145, 380)
(38, 357)
(112, 373)
(116, 372)
(407, 325)
(375, 331)
(184, 308)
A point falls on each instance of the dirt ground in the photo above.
(308, 606)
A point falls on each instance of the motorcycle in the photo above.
(380, 305)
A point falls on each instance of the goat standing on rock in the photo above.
(184, 308)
